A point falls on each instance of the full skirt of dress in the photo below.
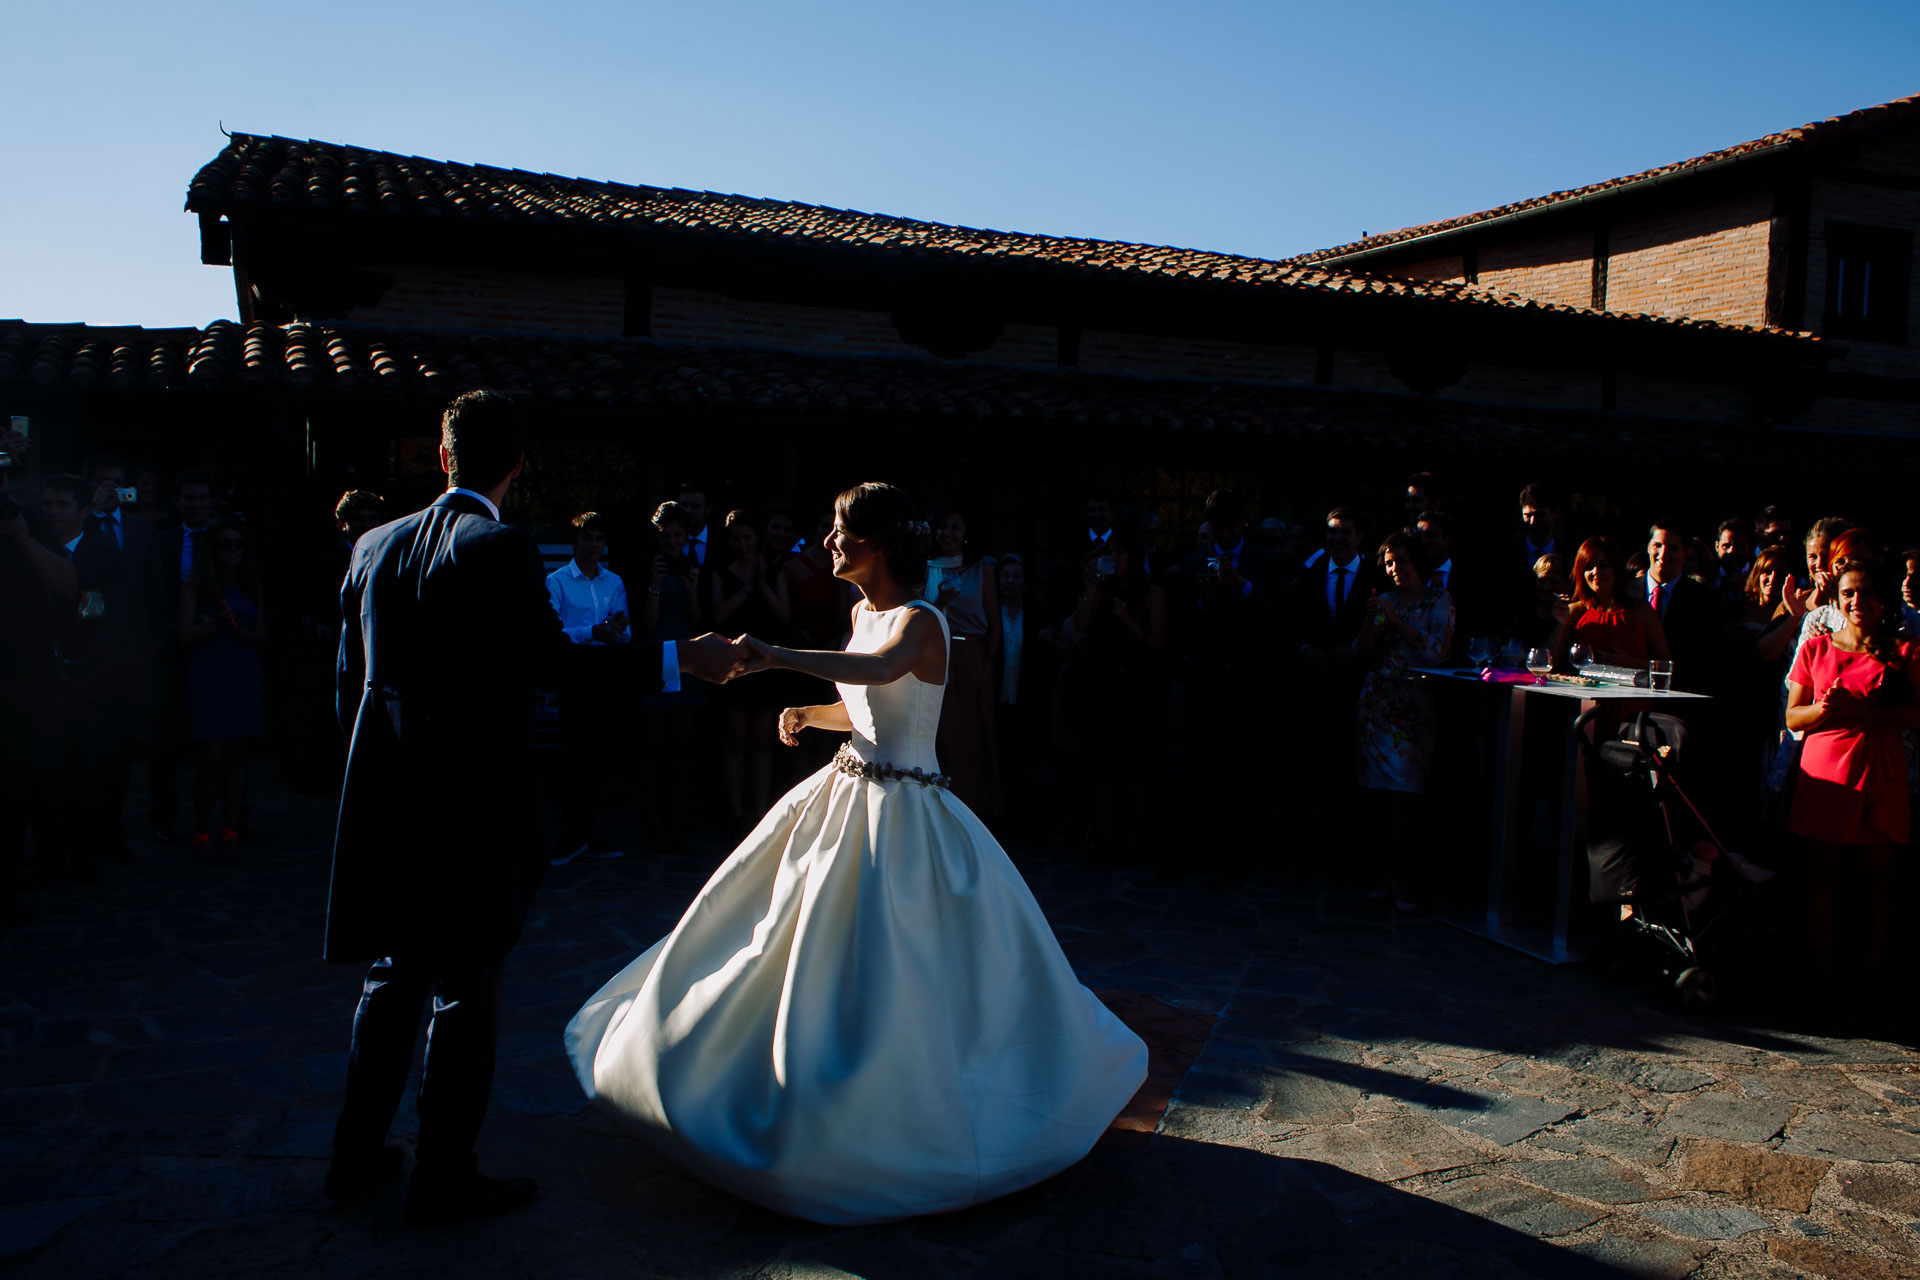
(863, 1016)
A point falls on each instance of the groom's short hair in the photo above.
(485, 436)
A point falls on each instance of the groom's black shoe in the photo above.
(437, 1200)
(352, 1179)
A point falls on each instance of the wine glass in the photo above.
(1480, 650)
(1539, 660)
(1581, 656)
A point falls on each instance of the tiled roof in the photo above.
(627, 374)
(254, 172)
(1819, 131)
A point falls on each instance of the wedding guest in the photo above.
(149, 507)
(781, 538)
(1230, 609)
(694, 507)
(29, 675)
(74, 828)
(745, 597)
(1732, 563)
(1543, 623)
(1812, 610)
(1619, 626)
(1689, 615)
(1331, 595)
(1910, 584)
(819, 602)
(1769, 634)
(1108, 688)
(960, 582)
(1772, 527)
(1421, 495)
(177, 550)
(358, 512)
(1852, 692)
(222, 626)
(1539, 523)
(1409, 624)
(1434, 528)
(125, 681)
(1099, 519)
(673, 613)
(591, 603)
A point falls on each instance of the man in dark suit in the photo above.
(439, 847)
(1689, 614)
(1329, 603)
(1434, 528)
(1330, 595)
(176, 549)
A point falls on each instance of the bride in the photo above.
(863, 1015)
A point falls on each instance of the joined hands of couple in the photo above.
(717, 659)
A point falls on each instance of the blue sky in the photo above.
(1261, 128)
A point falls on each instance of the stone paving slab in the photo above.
(1334, 1091)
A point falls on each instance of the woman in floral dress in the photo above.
(1411, 625)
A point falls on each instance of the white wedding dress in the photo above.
(864, 1015)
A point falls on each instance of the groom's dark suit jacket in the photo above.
(447, 633)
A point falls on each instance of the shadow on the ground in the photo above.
(1177, 1207)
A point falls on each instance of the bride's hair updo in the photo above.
(887, 517)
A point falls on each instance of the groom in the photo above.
(439, 847)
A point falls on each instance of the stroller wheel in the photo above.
(1693, 989)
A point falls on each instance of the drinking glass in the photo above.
(1513, 653)
(1581, 656)
(1480, 651)
(1539, 660)
(1660, 673)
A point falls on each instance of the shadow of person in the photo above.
(1173, 1206)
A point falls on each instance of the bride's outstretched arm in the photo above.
(913, 640)
(832, 717)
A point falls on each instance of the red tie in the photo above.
(1659, 596)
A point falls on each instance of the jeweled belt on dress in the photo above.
(847, 762)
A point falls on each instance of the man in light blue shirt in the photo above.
(591, 601)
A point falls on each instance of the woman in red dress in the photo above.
(1852, 692)
(1620, 628)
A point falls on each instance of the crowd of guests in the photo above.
(134, 629)
(1257, 682)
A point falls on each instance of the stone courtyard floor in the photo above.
(1334, 1093)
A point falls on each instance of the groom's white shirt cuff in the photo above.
(670, 667)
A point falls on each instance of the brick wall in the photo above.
(1708, 262)
(1103, 351)
(1872, 206)
(505, 301)
(1556, 267)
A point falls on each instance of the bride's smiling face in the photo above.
(853, 558)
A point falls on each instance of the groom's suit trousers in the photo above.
(458, 1074)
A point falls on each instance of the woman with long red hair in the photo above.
(1620, 627)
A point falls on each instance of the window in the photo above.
(1868, 269)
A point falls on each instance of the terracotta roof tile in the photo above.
(254, 172)
(1816, 132)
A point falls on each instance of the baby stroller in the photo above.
(1652, 853)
